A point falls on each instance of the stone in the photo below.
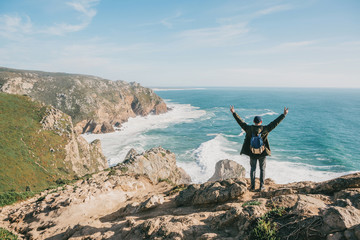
(212, 192)
(335, 236)
(131, 154)
(158, 164)
(152, 202)
(208, 236)
(225, 169)
(339, 219)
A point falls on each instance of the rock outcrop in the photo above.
(95, 104)
(157, 163)
(38, 146)
(225, 169)
(123, 204)
(81, 157)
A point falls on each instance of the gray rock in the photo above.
(339, 219)
(130, 155)
(152, 202)
(158, 164)
(335, 236)
(225, 169)
(212, 192)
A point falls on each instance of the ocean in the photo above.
(318, 140)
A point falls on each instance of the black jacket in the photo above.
(264, 130)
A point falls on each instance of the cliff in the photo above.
(38, 146)
(122, 204)
(94, 104)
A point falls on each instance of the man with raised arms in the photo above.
(256, 144)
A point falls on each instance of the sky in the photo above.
(172, 43)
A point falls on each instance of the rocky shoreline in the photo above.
(137, 200)
(95, 105)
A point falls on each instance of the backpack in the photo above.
(256, 144)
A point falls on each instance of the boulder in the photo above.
(157, 163)
(212, 192)
(153, 202)
(225, 169)
(338, 218)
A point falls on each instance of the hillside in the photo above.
(38, 146)
(94, 104)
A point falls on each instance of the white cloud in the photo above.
(273, 9)
(87, 13)
(167, 22)
(215, 36)
(14, 26)
(283, 47)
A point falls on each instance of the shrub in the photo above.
(7, 198)
(124, 169)
(112, 172)
(264, 230)
(251, 203)
(5, 234)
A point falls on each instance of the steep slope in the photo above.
(38, 146)
(95, 104)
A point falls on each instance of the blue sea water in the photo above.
(318, 139)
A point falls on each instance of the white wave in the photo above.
(131, 135)
(209, 153)
(206, 156)
(269, 112)
(175, 89)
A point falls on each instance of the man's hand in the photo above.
(286, 110)
(232, 109)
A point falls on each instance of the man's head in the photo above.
(257, 120)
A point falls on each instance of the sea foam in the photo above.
(200, 162)
(132, 133)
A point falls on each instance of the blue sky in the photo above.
(308, 43)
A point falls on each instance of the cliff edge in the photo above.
(122, 204)
(95, 105)
(40, 146)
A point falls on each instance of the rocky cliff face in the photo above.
(119, 204)
(95, 104)
(82, 157)
(38, 146)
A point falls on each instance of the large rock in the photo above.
(225, 169)
(212, 192)
(81, 156)
(95, 104)
(340, 218)
(157, 163)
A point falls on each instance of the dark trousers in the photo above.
(262, 163)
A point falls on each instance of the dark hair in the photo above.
(257, 119)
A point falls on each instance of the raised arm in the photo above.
(238, 119)
(276, 122)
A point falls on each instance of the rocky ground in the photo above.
(123, 204)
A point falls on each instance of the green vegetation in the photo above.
(251, 203)
(167, 181)
(266, 228)
(124, 169)
(31, 158)
(6, 235)
(112, 172)
(10, 197)
(176, 189)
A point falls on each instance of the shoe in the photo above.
(262, 188)
(252, 188)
